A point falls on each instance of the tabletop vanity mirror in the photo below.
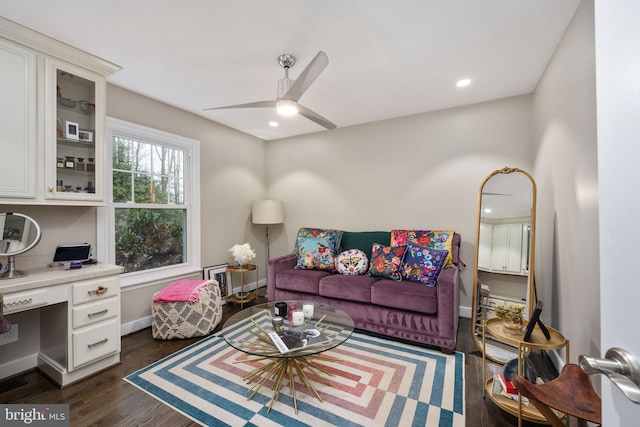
(19, 234)
(505, 234)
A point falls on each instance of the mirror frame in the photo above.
(10, 271)
(531, 297)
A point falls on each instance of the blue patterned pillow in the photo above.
(423, 264)
(386, 261)
(317, 251)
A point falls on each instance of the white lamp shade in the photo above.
(267, 212)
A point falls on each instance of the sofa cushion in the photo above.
(386, 261)
(317, 249)
(436, 239)
(405, 295)
(364, 240)
(306, 281)
(422, 264)
(352, 262)
(352, 288)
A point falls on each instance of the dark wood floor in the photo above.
(104, 399)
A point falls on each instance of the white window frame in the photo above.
(106, 215)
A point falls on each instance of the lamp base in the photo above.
(11, 272)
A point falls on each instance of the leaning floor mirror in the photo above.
(505, 236)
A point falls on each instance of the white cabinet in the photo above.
(79, 320)
(504, 248)
(484, 249)
(506, 253)
(75, 129)
(17, 121)
(52, 120)
(94, 319)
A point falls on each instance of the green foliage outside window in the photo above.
(144, 173)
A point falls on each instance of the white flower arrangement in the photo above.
(242, 254)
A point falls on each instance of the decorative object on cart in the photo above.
(511, 316)
(20, 233)
(219, 274)
(85, 135)
(242, 254)
(535, 319)
(505, 250)
(71, 130)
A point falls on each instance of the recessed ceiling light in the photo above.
(487, 210)
(463, 82)
(273, 124)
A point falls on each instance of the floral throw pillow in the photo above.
(435, 239)
(423, 265)
(386, 261)
(317, 252)
(352, 262)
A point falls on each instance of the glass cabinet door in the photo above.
(75, 154)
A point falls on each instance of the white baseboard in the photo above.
(136, 325)
(464, 312)
(23, 364)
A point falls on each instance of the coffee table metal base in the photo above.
(277, 369)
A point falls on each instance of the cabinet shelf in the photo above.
(83, 107)
(75, 142)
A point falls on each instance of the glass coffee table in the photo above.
(252, 331)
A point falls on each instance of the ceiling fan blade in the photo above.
(259, 104)
(308, 76)
(315, 117)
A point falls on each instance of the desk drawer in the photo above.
(95, 289)
(21, 301)
(94, 312)
(95, 342)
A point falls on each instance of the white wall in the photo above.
(422, 171)
(565, 168)
(232, 173)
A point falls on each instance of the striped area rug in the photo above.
(377, 382)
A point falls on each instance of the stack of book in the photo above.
(504, 387)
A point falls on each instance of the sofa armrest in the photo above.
(274, 266)
(448, 302)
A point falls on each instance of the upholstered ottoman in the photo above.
(186, 309)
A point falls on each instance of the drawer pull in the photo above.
(20, 302)
(99, 290)
(104, 341)
(98, 313)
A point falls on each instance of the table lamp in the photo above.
(267, 212)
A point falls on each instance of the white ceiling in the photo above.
(386, 58)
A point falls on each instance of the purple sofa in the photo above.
(405, 310)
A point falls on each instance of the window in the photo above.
(153, 215)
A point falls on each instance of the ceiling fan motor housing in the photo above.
(283, 86)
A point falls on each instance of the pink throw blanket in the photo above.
(182, 291)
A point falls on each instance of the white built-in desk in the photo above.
(79, 321)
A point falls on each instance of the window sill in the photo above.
(143, 279)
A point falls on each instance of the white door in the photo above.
(617, 36)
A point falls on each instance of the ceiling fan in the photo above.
(290, 91)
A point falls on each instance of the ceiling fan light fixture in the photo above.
(287, 107)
